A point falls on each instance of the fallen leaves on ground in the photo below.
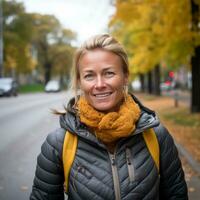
(187, 136)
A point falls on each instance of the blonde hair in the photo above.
(104, 42)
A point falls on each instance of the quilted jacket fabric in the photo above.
(130, 173)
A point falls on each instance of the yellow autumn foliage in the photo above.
(154, 31)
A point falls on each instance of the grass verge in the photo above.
(31, 88)
(183, 117)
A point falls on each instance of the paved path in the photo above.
(192, 175)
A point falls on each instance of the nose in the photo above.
(100, 83)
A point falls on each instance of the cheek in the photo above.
(85, 86)
(118, 84)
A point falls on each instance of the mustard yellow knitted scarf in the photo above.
(111, 126)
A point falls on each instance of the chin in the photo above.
(106, 108)
(103, 109)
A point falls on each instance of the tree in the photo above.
(61, 60)
(17, 36)
(49, 38)
(159, 31)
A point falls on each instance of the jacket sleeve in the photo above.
(172, 180)
(49, 175)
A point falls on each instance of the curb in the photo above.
(193, 163)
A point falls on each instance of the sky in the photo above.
(85, 17)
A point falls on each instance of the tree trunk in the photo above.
(149, 82)
(1, 39)
(195, 61)
(195, 101)
(62, 80)
(156, 80)
(47, 75)
(142, 82)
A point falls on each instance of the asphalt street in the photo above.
(25, 122)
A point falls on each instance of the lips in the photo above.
(102, 95)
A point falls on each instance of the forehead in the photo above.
(98, 57)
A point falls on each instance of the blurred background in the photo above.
(37, 43)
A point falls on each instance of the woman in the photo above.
(112, 160)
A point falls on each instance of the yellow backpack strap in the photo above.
(152, 145)
(69, 150)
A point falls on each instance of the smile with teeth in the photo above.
(103, 95)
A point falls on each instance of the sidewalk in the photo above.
(186, 142)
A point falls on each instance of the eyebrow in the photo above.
(91, 71)
(107, 68)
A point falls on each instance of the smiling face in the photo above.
(102, 79)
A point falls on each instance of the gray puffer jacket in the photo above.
(130, 173)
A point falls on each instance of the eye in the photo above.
(88, 77)
(109, 74)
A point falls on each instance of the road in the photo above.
(25, 122)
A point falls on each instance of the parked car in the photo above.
(52, 86)
(8, 87)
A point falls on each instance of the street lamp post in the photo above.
(1, 38)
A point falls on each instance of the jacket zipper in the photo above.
(115, 176)
(131, 171)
